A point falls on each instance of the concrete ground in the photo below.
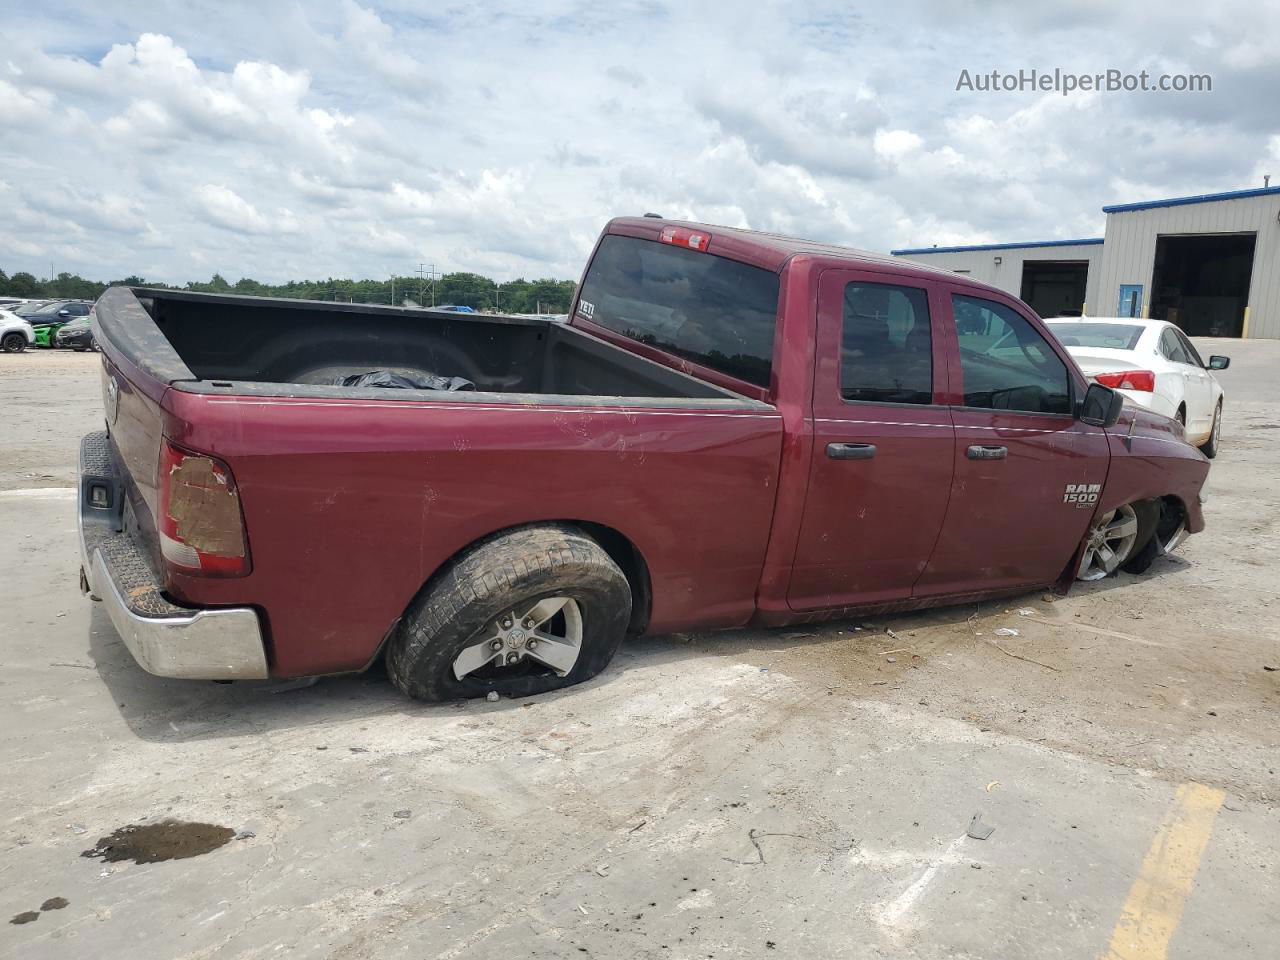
(792, 793)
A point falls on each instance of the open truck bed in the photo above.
(276, 347)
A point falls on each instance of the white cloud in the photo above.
(226, 208)
(343, 137)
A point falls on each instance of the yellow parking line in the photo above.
(1155, 903)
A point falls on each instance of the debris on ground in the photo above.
(26, 917)
(979, 830)
(403, 814)
(54, 903)
(1018, 656)
(492, 696)
(1026, 612)
(992, 785)
(1006, 632)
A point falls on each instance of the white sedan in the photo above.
(1154, 365)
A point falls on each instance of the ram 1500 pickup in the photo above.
(733, 428)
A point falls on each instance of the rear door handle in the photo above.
(851, 451)
(983, 452)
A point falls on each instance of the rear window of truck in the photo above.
(715, 312)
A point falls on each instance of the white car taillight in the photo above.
(201, 525)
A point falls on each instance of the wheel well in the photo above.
(628, 557)
(620, 550)
(1172, 512)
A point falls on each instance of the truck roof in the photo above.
(772, 251)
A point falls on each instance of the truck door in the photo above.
(882, 458)
(1027, 472)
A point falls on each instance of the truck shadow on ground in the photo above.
(162, 710)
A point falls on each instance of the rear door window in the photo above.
(886, 348)
(1006, 363)
(716, 312)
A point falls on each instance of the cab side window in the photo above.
(1006, 363)
(1193, 357)
(1171, 349)
(886, 347)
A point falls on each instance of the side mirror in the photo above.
(1101, 406)
(64, 312)
(1219, 363)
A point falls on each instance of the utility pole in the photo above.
(497, 289)
(427, 272)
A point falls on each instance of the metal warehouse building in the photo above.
(1210, 264)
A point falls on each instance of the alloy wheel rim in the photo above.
(548, 632)
(1110, 542)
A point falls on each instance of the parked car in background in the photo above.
(78, 335)
(49, 318)
(28, 307)
(734, 428)
(15, 333)
(1154, 365)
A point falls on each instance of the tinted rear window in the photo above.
(716, 312)
(1111, 336)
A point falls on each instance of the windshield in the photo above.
(1110, 336)
(716, 312)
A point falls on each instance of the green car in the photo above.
(45, 333)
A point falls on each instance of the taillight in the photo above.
(1128, 380)
(684, 237)
(201, 525)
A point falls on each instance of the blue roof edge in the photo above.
(1181, 201)
(999, 246)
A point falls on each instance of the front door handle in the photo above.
(851, 451)
(981, 451)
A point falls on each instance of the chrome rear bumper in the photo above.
(167, 640)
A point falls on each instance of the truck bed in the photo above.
(281, 347)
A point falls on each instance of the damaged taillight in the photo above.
(684, 237)
(201, 525)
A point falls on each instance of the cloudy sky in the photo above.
(287, 140)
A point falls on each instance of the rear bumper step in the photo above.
(168, 640)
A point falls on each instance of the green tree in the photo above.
(23, 284)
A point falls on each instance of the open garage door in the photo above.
(1201, 282)
(1055, 288)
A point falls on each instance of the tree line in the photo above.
(458, 289)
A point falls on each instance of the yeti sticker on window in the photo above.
(1082, 494)
(586, 309)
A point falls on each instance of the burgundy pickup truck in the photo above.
(733, 428)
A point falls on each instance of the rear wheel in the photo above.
(521, 613)
(13, 343)
(1210, 447)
